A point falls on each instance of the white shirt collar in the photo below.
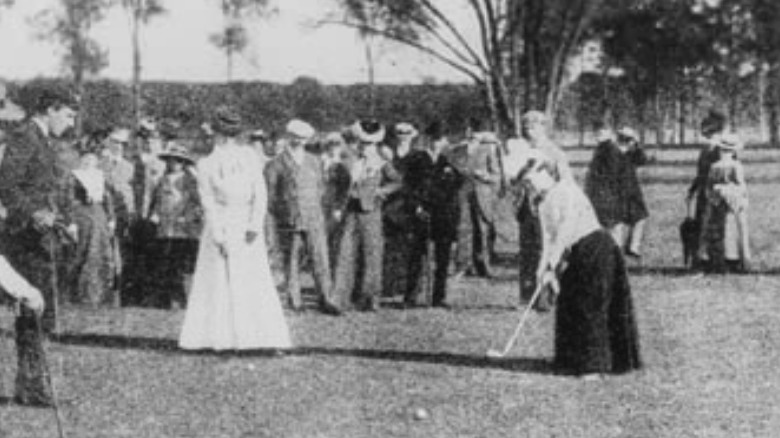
(42, 126)
(297, 154)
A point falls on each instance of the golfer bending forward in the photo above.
(595, 329)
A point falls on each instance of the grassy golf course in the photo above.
(711, 347)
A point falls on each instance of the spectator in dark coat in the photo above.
(32, 189)
(436, 211)
(712, 127)
(613, 188)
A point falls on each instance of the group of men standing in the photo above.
(361, 202)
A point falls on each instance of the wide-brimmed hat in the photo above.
(299, 129)
(626, 133)
(405, 129)
(175, 151)
(226, 121)
(714, 122)
(730, 142)
(369, 131)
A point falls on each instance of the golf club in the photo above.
(495, 354)
(47, 376)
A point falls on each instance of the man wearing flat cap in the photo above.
(32, 189)
(295, 190)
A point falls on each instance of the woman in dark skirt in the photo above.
(595, 329)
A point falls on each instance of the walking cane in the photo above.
(48, 379)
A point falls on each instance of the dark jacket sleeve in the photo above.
(20, 187)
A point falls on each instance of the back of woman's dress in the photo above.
(234, 303)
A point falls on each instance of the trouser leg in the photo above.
(317, 246)
(292, 258)
(346, 264)
(417, 256)
(372, 242)
(442, 252)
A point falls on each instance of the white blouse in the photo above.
(566, 216)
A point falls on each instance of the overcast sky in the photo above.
(177, 47)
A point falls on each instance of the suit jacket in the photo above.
(176, 203)
(443, 203)
(31, 179)
(295, 192)
(485, 170)
(380, 181)
(337, 183)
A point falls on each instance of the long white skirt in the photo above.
(234, 304)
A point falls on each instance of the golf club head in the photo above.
(494, 354)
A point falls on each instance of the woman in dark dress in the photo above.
(92, 267)
(613, 188)
(595, 329)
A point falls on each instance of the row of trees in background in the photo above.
(660, 63)
(684, 52)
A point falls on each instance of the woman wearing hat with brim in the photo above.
(175, 210)
(724, 244)
(233, 304)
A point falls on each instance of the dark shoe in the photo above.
(442, 305)
(329, 308)
(34, 402)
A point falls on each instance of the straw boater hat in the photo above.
(369, 131)
(627, 133)
(299, 129)
(120, 135)
(258, 135)
(176, 151)
(486, 137)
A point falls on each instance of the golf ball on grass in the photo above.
(421, 414)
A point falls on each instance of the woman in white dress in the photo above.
(233, 304)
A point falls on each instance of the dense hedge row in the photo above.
(269, 106)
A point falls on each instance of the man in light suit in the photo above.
(32, 189)
(295, 189)
(479, 198)
(373, 179)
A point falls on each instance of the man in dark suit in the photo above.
(295, 189)
(31, 188)
(435, 184)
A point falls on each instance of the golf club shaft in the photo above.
(523, 318)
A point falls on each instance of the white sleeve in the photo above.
(13, 283)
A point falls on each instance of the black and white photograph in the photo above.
(389, 218)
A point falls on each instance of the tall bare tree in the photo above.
(139, 13)
(232, 39)
(519, 58)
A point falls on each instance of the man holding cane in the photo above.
(31, 182)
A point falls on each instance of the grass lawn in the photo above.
(710, 346)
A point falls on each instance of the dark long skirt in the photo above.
(595, 329)
(92, 274)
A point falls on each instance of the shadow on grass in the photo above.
(668, 271)
(518, 364)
